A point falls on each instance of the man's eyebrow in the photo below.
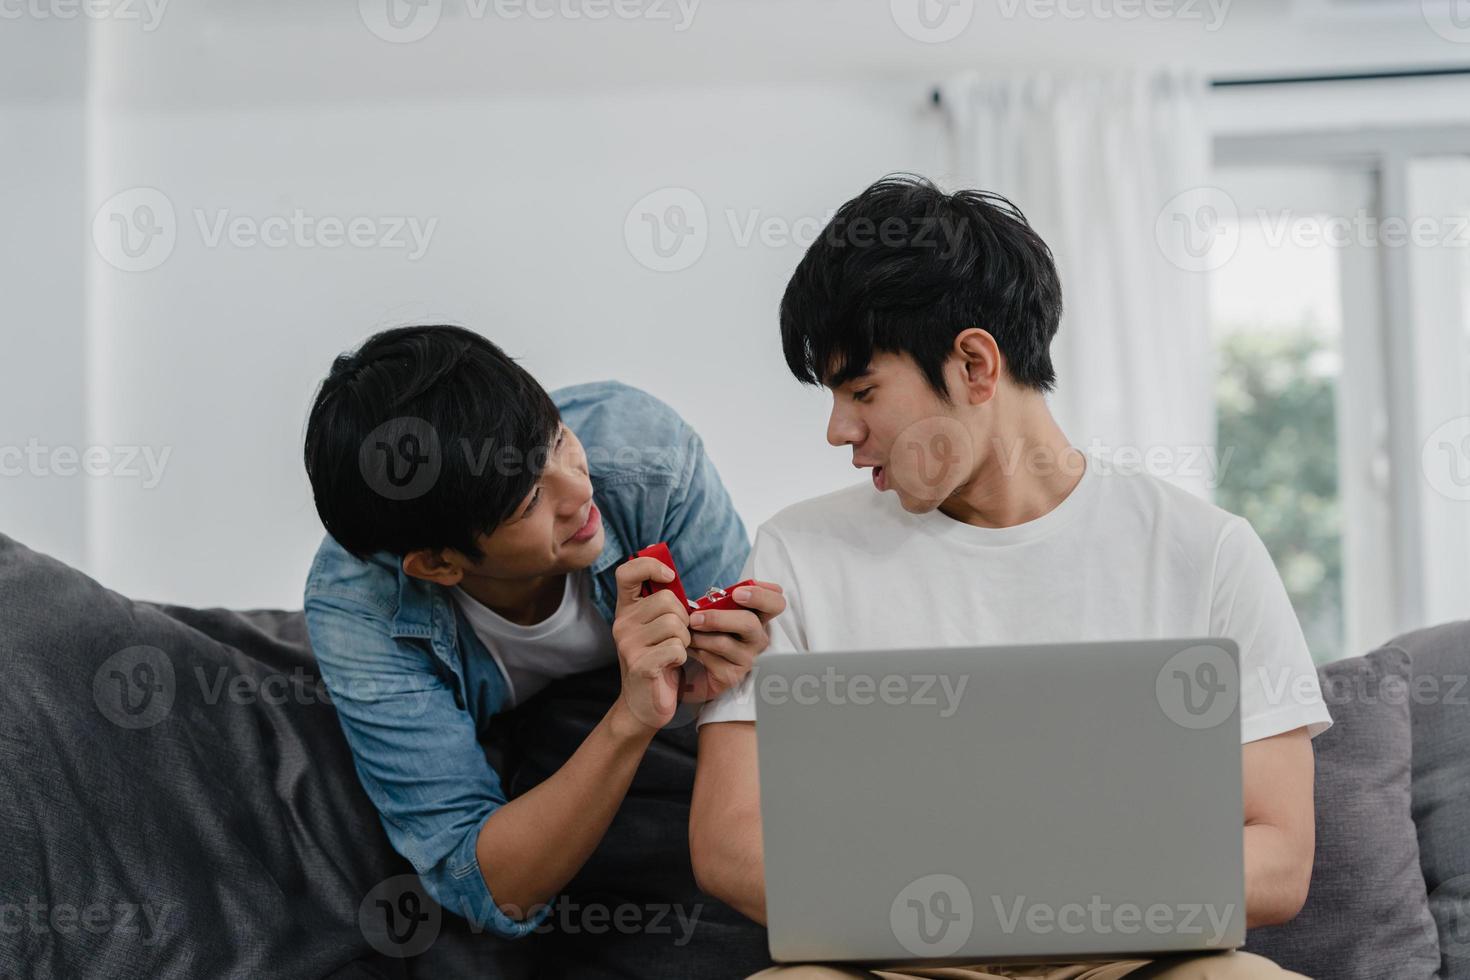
(839, 378)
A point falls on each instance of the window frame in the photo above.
(1380, 602)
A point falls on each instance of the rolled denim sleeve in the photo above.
(416, 752)
(702, 527)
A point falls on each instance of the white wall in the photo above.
(528, 142)
(214, 354)
(41, 279)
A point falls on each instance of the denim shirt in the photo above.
(415, 689)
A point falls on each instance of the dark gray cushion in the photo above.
(1367, 913)
(188, 761)
(182, 764)
(1440, 704)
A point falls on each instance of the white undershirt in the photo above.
(572, 639)
(1123, 557)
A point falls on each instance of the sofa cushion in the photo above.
(178, 797)
(1440, 705)
(1367, 913)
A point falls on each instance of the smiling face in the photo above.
(555, 528)
(917, 444)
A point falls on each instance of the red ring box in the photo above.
(715, 598)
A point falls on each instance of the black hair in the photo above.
(904, 268)
(424, 437)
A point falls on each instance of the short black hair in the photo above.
(424, 437)
(904, 268)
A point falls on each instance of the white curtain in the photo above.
(1094, 161)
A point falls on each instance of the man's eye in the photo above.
(861, 396)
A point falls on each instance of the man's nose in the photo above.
(842, 429)
(573, 487)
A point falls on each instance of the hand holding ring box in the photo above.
(715, 598)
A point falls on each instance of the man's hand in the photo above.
(727, 641)
(652, 636)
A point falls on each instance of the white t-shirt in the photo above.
(1123, 557)
(572, 639)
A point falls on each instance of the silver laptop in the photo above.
(1013, 803)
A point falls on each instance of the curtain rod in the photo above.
(937, 98)
(1360, 76)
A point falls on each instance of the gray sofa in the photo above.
(177, 801)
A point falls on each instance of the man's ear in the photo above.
(980, 364)
(433, 565)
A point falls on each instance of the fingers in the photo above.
(650, 608)
(741, 653)
(657, 659)
(632, 574)
(744, 624)
(764, 599)
(634, 614)
(668, 626)
(718, 676)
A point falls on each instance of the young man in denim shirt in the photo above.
(477, 531)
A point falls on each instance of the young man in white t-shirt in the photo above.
(929, 317)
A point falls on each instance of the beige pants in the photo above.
(1210, 966)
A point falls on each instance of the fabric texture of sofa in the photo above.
(178, 801)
